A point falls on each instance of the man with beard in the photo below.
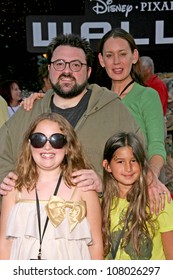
(95, 112)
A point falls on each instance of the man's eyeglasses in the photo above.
(60, 65)
(57, 140)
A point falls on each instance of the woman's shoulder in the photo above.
(146, 93)
(150, 91)
(145, 89)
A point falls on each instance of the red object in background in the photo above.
(172, 195)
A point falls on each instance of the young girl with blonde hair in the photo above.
(45, 216)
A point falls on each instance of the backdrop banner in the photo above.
(150, 23)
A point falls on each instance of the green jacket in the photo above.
(105, 115)
(146, 108)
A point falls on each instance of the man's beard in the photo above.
(73, 92)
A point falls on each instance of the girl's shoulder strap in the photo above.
(73, 192)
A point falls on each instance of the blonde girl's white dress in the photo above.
(67, 235)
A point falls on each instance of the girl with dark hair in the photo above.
(130, 231)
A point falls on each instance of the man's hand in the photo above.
(87, 179)
(28, 102)
(8, 183)
(158, 192)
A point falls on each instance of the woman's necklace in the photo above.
(131, 82)
(12, 109)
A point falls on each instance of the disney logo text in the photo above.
(102, 7)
